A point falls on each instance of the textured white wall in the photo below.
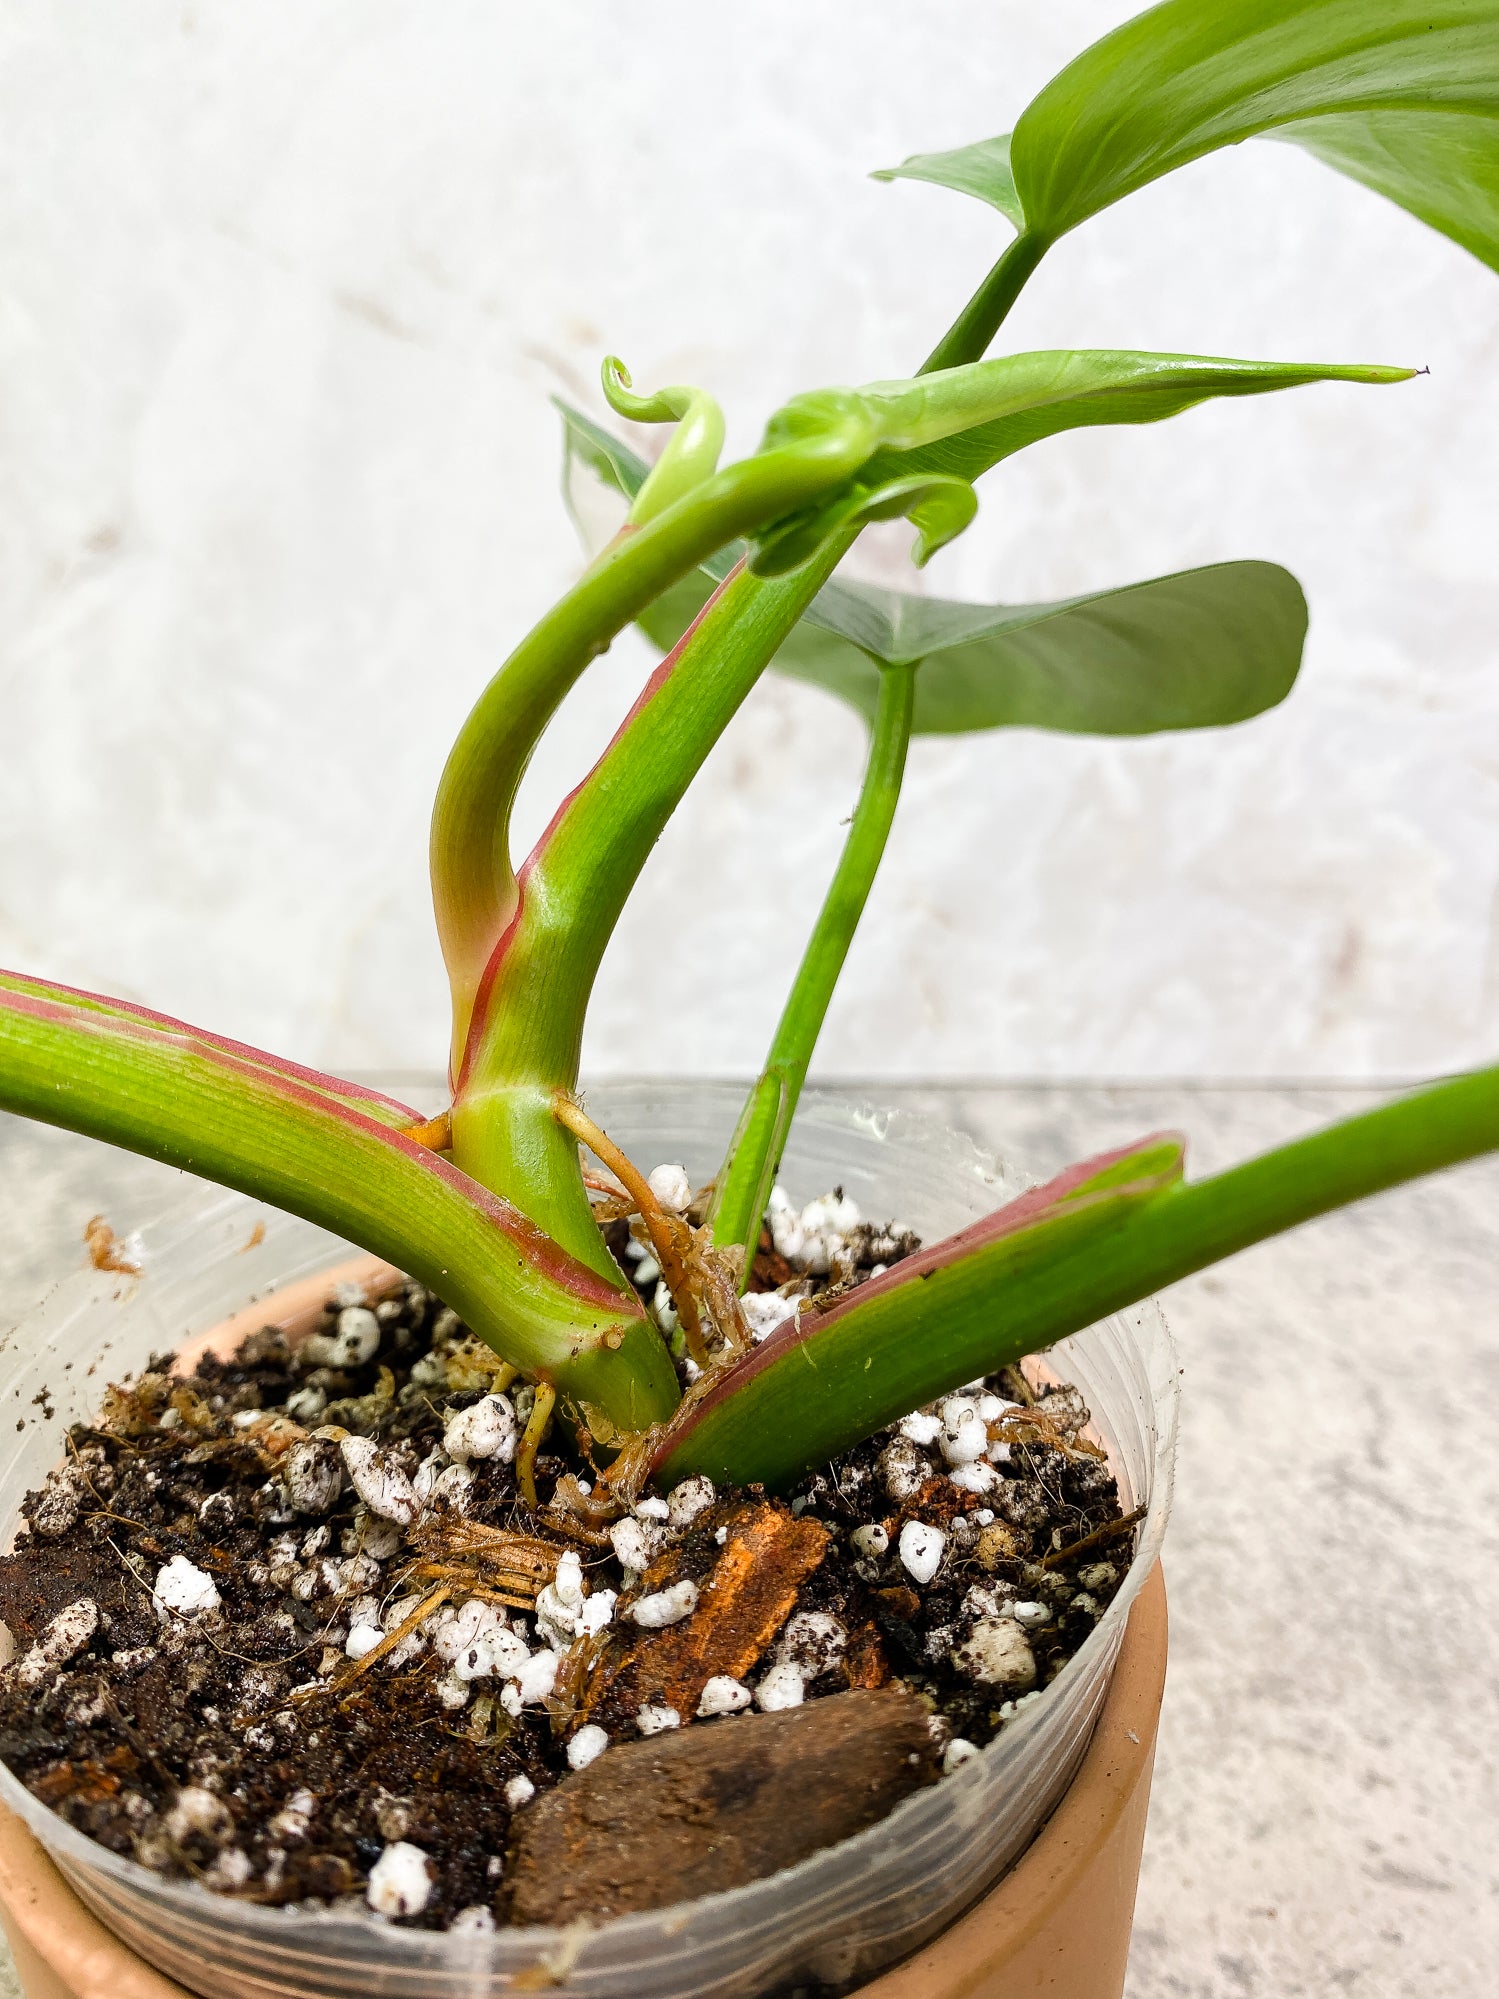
(286, 288)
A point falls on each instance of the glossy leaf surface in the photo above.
(1400, 95)
(1200, 649)
(982, 170)
(1063, 389)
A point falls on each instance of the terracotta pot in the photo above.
(1058, 1924)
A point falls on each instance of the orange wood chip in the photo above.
(864, 1663)
(745, 1599)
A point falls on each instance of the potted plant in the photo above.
(629, 1376)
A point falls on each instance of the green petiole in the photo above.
(748, 1172)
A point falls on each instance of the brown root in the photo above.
(105, 1249)
(671, 1238)
(530, 1443)
(390, 1641)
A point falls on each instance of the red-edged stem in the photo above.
(1103, 1235)
(358, 1096)
(335, 1154)
(527, 1027)
(473, 882)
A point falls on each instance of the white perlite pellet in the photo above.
(459, 1627)
(519, 1791)
(531, 1685)
(452, 1691)
(633, 1544)
(198, 1811)
(901, 1469)
(400, 1882)
(587, 1746)
(66, 1634)
(567, 1583)
(183, 1587)
(812, 1238)
(997, 1653)
(307, 1406)
(229, 1870)
(314, 1475)
(472, 1922)
(764, 1311)
(354, 1340)
(654, 1719)
(921, 1427)
(813, 1642)
(870, 1541)
(666, 1606)
(362, 1639)
(476, 1642)
(486, 1429)
(379, 1539)
(965, 1438)
(782, 1687)
(295, 1816)
(453, 1488)
(671, 1187)
(979, 1476)
(692, 1497)
(379, 1480)
(920, 1548)
(723, 1694)
(565, 1611)
(957, 1753)
(476, 1920)
(597, 1612)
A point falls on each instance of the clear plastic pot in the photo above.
(838, 1916)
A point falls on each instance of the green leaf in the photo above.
(982, 170)
(1199, 649)
(1100, 1237)
(938, 507)
(337, 1155)
(1441, 165)
(1402, 95)
(1040, 395)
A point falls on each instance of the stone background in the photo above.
(286, 291)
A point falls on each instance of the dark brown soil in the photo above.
(196, 1593)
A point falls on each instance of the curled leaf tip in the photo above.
(617, 382)
(690, 457)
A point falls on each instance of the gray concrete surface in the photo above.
(1326, 1813)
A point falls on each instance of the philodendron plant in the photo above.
(732, 571)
